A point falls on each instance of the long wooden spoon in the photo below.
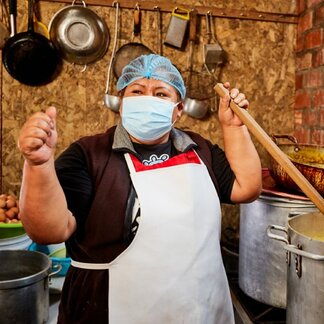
(274, 150)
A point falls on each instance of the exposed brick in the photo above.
(311, 3)
(300, 44)
(304, 61)
(298, 80)
(305, 22)
(322, 116)
(310, 118)
(319, 15)
(313, 39)
(318, 99)
(318, 57)
(302, 100)
(302, 134)
(298, 117)
(315, 136)
(301, 6)
(313, 78)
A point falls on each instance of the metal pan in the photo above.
(79, 34)
(130, 51)
(30, 57)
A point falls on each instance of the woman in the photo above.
(139, 205)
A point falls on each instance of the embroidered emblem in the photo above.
(154, 159)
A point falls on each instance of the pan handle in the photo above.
(137, 21)
(13, 15)
(274, 150)
(309, 255)
(275, 236)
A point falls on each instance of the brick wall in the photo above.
(309, 100)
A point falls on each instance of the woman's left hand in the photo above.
(226, 115)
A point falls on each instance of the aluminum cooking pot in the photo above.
(304, 243)
(79, 34)
(309, 159)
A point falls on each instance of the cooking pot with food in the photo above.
(308, 159)
(304, 243)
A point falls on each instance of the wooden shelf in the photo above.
(166, 6)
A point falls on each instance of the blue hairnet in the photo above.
(152, 66)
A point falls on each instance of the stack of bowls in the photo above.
(13, 237)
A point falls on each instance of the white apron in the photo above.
(172, 272)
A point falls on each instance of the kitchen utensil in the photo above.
(12, 16)
(8, 230)
(30, 57)
(262, 268)
(79, 34)
(177, 27)
(304, 244)
(274, 150)
(158, 30)
(307, 158)
(112, 102)
(24, 290)
(214, 55)
(192, 106)
(133, 49)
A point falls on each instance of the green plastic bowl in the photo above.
(8, 230)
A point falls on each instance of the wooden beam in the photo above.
(166, 6)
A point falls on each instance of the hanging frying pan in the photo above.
(130, 51)
(79, 34)
(30, 57)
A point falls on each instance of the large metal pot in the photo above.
(24, 290)
(304, 238)
(262, 268)
(308, 159)
(79, 34)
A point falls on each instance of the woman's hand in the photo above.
(226, 116)
(38, 137)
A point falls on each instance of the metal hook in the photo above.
(115, 4)
(137, 7)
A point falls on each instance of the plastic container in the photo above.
(8, 230)
(21, 242)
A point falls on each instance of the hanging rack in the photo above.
(166, 6)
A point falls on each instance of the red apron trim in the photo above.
(188, 157)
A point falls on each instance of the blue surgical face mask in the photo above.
(147, 118)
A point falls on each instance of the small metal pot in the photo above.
(195, 108)
(24, 290)
(308, 159)
(79, 34)
(304, 239)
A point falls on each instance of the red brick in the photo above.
(313, 78)
(318, 57)
(319, 15)
(298, 117)
(300, 44)
(322, 116)
(315, 136)
(302, 134)
(298, 81)
(304, 61)
(313, 39)
(311, 3)
(301, 6)
(305, 22)
(302, 100)
(318, 99)
(310, 118)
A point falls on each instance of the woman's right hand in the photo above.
(38, 137)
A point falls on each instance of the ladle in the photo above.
(274, 150)
(110, 101)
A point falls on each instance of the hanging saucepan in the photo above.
(130, 51)
(30, 57)
(79, 34)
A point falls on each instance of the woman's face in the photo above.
(155, 88)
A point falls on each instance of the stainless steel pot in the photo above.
(24, 290)
(262, 269)
(304, 239)
(79, 34)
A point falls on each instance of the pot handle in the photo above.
(309, 255)
(275, 236)
(58, 268)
